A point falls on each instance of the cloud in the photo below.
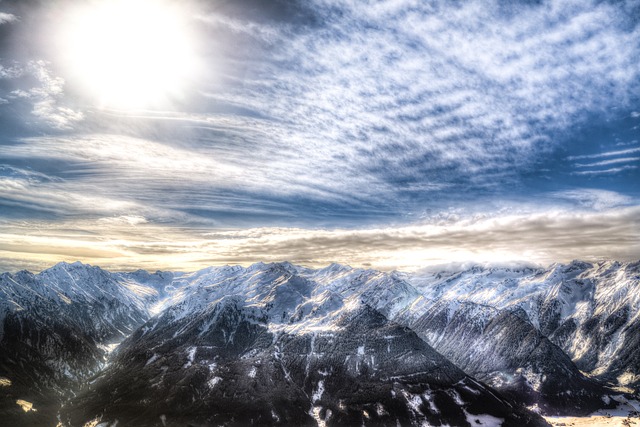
(375, 109)
(241, 178)
(261, 31)
(605, 159)
(606, 154)
(595, 199)
(465, 95)
(609, 171)
(538, 237)
(7, 18)
(45, 98)
(27, 191)
(609, 162)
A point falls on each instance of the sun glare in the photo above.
(129, 53)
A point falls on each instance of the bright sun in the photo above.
(129, 53)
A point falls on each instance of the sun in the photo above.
(128, 53)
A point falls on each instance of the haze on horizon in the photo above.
(395, 134)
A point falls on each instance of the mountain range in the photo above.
(280, 344)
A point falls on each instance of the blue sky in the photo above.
(394, 133)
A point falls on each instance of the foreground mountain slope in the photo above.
(55, 330)
(238, 360)
(501, 347)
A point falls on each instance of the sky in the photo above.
(392, 134)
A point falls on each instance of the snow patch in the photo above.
(628, 378)
(380, 410)
(315, 413)
(317, 395)
(191, 354)
(26, 406)
(414, 401)
(214, 381)
(152, 359)
(483, 420)
(315, 410)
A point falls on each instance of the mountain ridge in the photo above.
(298, 302)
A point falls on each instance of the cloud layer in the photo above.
(434, 93)
(132, 242)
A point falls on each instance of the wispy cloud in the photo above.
(609, 171)
(373, 107)
(245, 178)
(609, 162)
(606, 154)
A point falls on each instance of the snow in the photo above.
(579, 292)
(109, 348)
(317, 395)
(25, 406)
(152, 359)
(252, 372)
(315, 410)
(315, 413)
(483, 420)
(214, 381)
(432, 406)
(380, 410)
(628, 378)
(592, 421)
(626, 410)
(534, 379)
(361, 350)
(413, 400)
(191, 354)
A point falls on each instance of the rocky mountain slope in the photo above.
(283, 344)
(590, 311)
(57, 327)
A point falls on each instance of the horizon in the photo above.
(431, 269)
(169, 135)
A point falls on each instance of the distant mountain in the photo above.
(282, 344)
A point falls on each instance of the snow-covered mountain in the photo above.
(269, 345)
(591, 311)
(57, 329)
(284, 344)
